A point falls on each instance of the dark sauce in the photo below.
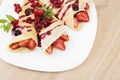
(68, 1)
(26, 3)
(27, 26)
(49, 5)
(57, 14)
(42, 36)
(65, 11)
(22, 16)
(39, 40)
(65, 23)
(29, 30)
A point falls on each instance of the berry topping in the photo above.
(49, 33)
(57, 3)
(29, 20)
(17, 8)
(17, 32)
(42, 22)
(38, 13)
(29, 11)
(75, 6)
(35, 4)
(31, 0)
(43, 17)
(14, 22)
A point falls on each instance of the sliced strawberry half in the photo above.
(38, 12)
(24, 43)
(82, 16)
(86, 6)
(31, 45)
(49, 50)
(65, 37)
(59, 44)
(15, 46)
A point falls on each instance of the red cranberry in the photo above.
(49, 33)
(29, 11)
(31, 0)
(57, 3)
(17, 8)
(14, 22)
(29, 20)
(35, 4)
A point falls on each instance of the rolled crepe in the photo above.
(27, 31)
(67, 14)
(56, 29)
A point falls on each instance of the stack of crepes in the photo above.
(51, 37)
(72, 12)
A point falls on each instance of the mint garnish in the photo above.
(6, 23)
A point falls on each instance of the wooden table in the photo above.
(103, 62)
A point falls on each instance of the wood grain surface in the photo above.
(103, 63)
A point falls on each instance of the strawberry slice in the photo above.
(82, 16)
(64, 37)
(59, 44)
(87, 6)
(38, 12)
(76, 23)
(31, 45)
(49, 50)
(24, 43)
(15, 46)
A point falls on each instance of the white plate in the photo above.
(78, 49)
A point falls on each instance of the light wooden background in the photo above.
(103, 62)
